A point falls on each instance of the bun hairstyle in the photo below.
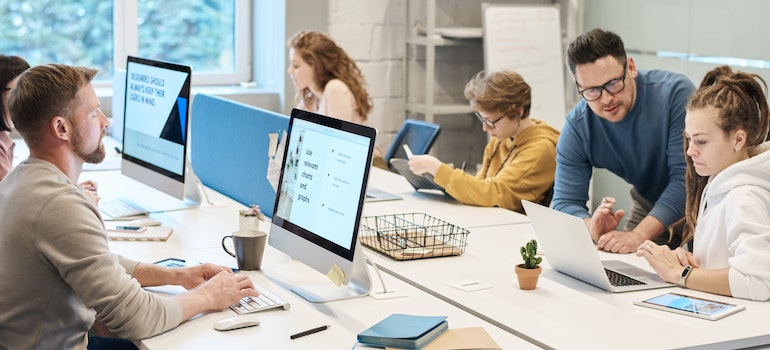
(740, 99)
(741, 103)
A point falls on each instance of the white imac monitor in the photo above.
(155, 130)
(320, 198)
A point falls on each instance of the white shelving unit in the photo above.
(429, 41)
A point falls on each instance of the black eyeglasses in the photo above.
(487, 122)
(613, 87)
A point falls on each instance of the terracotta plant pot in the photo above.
(527, 277)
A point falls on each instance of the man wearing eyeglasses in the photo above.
(629, 122)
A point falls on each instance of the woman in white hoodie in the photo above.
(727, 215)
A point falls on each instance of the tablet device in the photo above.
(691, 306)
(418, 182)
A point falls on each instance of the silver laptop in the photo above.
(569, 249)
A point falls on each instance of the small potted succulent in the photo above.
(529, 271)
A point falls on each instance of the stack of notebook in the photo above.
(404, 331)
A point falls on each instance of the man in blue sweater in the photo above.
(629, 122)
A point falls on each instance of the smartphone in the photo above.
(130, 229)
(691, 306)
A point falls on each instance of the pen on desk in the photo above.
(309, 332)
(117, 149)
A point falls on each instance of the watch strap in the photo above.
(683, 276)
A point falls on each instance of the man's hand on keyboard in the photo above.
(219, 292)
(192, 276)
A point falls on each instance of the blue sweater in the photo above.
(645, 148)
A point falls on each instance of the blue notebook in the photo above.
(404, 331)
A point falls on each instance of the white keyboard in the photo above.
(119, 208)
(266, 300)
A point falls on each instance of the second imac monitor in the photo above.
(157, 99)
(320, 199)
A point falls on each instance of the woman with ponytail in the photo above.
(727, 213)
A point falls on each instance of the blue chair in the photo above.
(419, 135)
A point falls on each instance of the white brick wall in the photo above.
(374, 32)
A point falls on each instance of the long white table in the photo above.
(563, 312)
(197, 237)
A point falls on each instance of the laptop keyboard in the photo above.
(266, 300)
(120, 208)
(619, 280)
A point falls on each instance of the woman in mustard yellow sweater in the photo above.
(520, 158)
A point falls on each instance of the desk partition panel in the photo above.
(229, 148)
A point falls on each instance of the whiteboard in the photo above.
(527, 40)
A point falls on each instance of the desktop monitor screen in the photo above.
(320, 199)
(157, 96)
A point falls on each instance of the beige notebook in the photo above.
(152, 233)
(462, 339)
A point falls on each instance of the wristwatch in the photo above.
(684, 275)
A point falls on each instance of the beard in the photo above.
(94, 156)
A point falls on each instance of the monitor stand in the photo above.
(359, 285)
(156, 201)
(193, 188)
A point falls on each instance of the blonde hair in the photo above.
(503, 92)
(328, 62)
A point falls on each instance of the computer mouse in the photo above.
(235, 322)
(144, 222)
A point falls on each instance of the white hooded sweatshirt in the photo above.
(733, 228)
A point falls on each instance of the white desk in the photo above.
(347, 317)
(434, 204)
(566, 313)
(197, 237)
(561, 313)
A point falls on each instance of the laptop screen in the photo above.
(322, 181)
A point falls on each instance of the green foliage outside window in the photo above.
(199, 33)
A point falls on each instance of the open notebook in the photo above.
(151, 233)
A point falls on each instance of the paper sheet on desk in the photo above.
(153, 233)
(275, 156)
(462, 339)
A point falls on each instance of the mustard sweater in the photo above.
(513, 169)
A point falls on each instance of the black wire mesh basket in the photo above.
(412, 236)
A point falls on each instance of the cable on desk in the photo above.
(379, 275)
(203, 189)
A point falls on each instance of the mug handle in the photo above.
(225, 247)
